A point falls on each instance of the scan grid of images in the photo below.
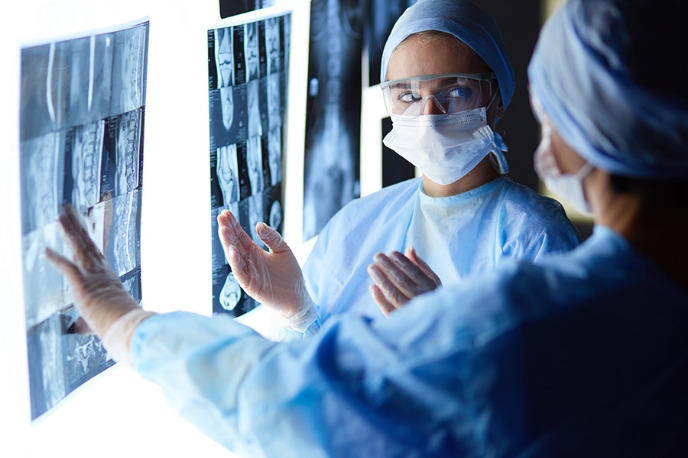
(81, 142)
(247, 81)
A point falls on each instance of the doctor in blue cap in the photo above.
(579, 354)
(446, 81)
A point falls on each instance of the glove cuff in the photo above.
(302, 320)
(118, 337)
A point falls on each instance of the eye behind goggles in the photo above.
(451, 93)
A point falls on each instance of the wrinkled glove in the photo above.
(272, 278)
(98, 293)
(399, 278)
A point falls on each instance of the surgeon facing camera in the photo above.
(446, 81)
(578, 354)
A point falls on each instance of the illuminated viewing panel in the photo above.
(81, 142)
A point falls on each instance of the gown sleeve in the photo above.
(533, 226)
(360, 387)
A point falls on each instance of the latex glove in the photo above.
(399, 278)
(272, 278)
(98, 293)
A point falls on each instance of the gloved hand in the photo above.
(272, 278)
(98, 293)
(399, 278)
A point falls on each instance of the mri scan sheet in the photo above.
(81, 142)
(333, 111)
(247, 81)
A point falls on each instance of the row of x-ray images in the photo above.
(247, 80)
(81, 142)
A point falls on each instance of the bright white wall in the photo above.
(117, 413)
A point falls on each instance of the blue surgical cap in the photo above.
(465, 21)
(580, 73)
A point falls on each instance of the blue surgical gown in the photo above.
(457, 236)
(584, 354)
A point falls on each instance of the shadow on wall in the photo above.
(520, 25)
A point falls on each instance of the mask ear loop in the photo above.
(497, 157)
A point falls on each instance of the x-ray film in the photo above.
(81, 142)
(247, 68)
(333, 111)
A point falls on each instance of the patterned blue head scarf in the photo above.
(580, 74)
(465, 21)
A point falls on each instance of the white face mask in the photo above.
(445, 147)
(569, 187)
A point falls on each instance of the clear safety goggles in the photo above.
(451, 93)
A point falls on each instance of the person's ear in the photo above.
(496, 111)
(499, 111)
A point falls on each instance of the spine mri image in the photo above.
(81, 142)
(333, 111)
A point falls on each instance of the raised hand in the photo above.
(272, 278)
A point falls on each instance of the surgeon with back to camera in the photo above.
(580, 354)
(446, 82)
